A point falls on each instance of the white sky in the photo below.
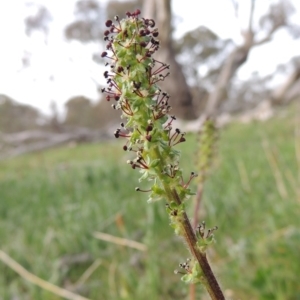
(60, 69)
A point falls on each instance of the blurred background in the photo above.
(62, 178)
(227, 57)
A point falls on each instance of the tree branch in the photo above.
(235, 5)
(250, 26)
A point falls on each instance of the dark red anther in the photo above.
(154, 41)
(108, 23)
(143, 44)
(117, 133)
(142, 32)
(149, 128)
(137, 85)
(104, 54)
(120, 69)
(151, 23)
(108, 46)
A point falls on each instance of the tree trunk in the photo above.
(285, 93)
(175, 84)
(235, 60)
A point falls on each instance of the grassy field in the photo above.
(52, 203)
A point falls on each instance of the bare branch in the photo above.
(235, 7)
(34, 141)
(281, 94)
(250, 27)
(268, 37)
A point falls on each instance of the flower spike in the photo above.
(132, 81)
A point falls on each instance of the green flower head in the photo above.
(132, 78)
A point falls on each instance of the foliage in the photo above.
(38, 20)
(87, 27)
(202, 53)
(82, 112)
(117, 8)
(79, 110)
(15, 117)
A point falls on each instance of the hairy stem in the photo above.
(210, 280)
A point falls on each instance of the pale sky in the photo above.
(59, 70)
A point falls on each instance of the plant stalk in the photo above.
(210, 281)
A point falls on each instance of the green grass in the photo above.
(52, 202)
